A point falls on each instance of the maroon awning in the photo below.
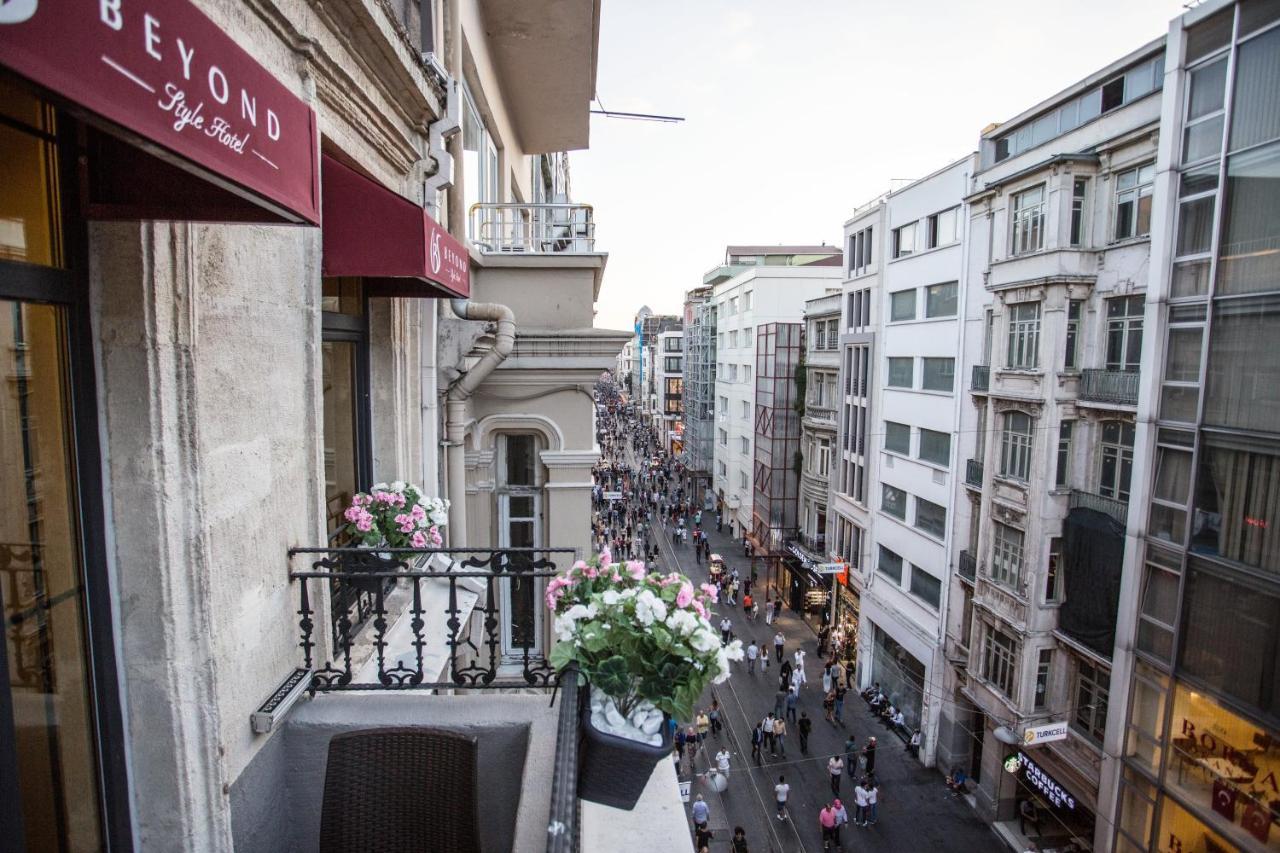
(165, 78)
(372, 232)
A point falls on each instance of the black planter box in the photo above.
(613, 771)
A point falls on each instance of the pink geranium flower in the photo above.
(635, 568)
(685, 595)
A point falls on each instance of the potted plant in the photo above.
(395, 515)
(647, 649)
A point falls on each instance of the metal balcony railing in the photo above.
(1109, 386)
(973, 473)
(981, 378)
(537, 229)
(819, 413)
(968, 566)
(1117, 509)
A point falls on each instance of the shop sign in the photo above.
(165, 72)
(800, 555)
(829, 568)
(1045, 784)
(613, 496)
(1047, 733)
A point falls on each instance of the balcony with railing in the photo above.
(820, 414)
(973, 474)
(1112, 387)
(967, 566)
(533, 229)
(981, 381)
(1117, 509)
(395, 650)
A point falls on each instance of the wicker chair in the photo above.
(405, 790)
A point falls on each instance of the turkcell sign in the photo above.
(829, 568)
(1047, 733)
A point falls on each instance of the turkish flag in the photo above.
(1224, 800)
(1257, 820)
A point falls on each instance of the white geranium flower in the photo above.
(682, 622)
(722, 664)
(578, 611)
(379, 487)
(611, 597)
(733, 651)
(704, 640)
(564, 627)
(398, 486)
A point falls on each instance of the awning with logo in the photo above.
(371, 232)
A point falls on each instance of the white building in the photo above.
(914, 394)
(666, 388)
(754, 297)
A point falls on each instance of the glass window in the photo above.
(1237, 513)
(999, 659)
(1062, 478)
(926, 587)
(1044, 667)
(1007, 555)
(938, 374)
(341, 480)
(931, 518)
(902, 305)
(1071, 358)
(1015, 446)
(1170, 494)
(1159, 605)
(1089, 715)
(1024, 335)
(893, 501)
(935, 447)
(1117, 459)
(900, 372)
(1146, 716)
(897, 437)
(890, 565)
(1133, 202)
(904, 240)
(1248, 262)
(940, 300)
(1053, 574)
(1078, 189)
(1203, 136)
(1255, 103)
(1124, 333)
(519, 499)
(1243, 377)
(1028, 221)
(1195, 225)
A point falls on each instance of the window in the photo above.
(1044, 666)
(747, 338)
(1158, 605)
(519, 495)
(1078, 188)
(1117, 459)
(1089, 716)
(672, 343)
(1133, 202)
(671, 365)
(833, 334)
(733, 339)
(1062, 478)
(890, 565)
(721, 469)
(900, 372)
(1170, 492)
(1024, 335)
(824, 457)
(746, 409)
(744, 445)
(931, 518)
(860, 251)
(939, 374)
(904, 240)
(818, 331)
(742, 480)
(724, 405)
(1028, 221)
(1007, 555)
(733, 373)
(479, 158)
(999, 659)
(724, 438)
(344, 364)
(893, 501)
(935, 447)
(1071, 359)
(747, 299)
(746, 373)
(1237, 514)
(1124, 333)
(1015, 446)
(897, 437)
(942, 228)
(926, 587)
(733, 306)
(902, 305)
(940, 300)
(1053, 575)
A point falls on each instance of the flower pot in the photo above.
(613, 771)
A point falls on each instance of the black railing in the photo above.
(1109, 386)
(973, 473)
(562, 823)
(1117, 509)
(981, 378)
(375, 574)
(968, 566)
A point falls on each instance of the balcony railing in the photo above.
(973, 473)
(533, 229)
(819, 413)
(1117, 509)
(968, 566)
(1109, 386)
(981, 378)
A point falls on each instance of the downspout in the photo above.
(456, 404)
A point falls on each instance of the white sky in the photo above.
(799, 111)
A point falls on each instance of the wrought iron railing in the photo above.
(1117, 509)
(973, 473)
(968, 566)
(540, 229)
(373, 575)
(1109, 386)
(819, 413)
(981, 378)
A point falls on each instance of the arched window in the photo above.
(518, 487)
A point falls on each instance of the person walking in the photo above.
(827, 820)
(860, 804)
(713, 714)
(722, 762)
(840, 691)
(829, 706)
(700, 812)
(780, 736)
(804, 727)
(753, 652)
(835, 767)
(740, 840)
(869, 752)
(792, 698)
(748, 605)
(702, 837)
(726, 630)
(826, 680)
(704, 725)
(799, 656)
(757, 741)
(873, 801)
(767, 725)
(778, 642)
(842, 817)
(779, 702)
(768, 611)
(780, 792)
(784, 675)
(850, 754)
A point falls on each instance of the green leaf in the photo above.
(563, 654)
(613, 676)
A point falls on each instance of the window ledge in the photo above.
(1127, 241)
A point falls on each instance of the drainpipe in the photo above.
(456, 403)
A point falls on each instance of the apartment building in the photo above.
(914, 401)
(666, 390)
(1193, 719)
(699, 392)
(1059, 231)
(753, 288)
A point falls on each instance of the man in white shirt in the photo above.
(767, 726)
(726, 628)
(780, 792)
(778, 642)
(860, 804)
(722, 762)
(753, 652)
(799, 658)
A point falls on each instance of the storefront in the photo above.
(1047, 809)
(902, 677)
(805, 591)
(844, 638)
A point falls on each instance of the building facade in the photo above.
(1059, 222)
(666, 400)
(699, 392)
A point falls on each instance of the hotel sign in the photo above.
(164, 72)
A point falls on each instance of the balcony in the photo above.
(981, 382)
(1117, 509)
(973, 474)
(967, 567)
(1114, 387)
(533, 229)
(820, 414)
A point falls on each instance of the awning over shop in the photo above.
(183, 95)
(374, 233)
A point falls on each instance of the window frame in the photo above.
(1027, 220)
(1023, 351)
(1016, 447)
(503, 494)
(1090, 681)
(1008, 555)
(1133, 195)
(1000, 653)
